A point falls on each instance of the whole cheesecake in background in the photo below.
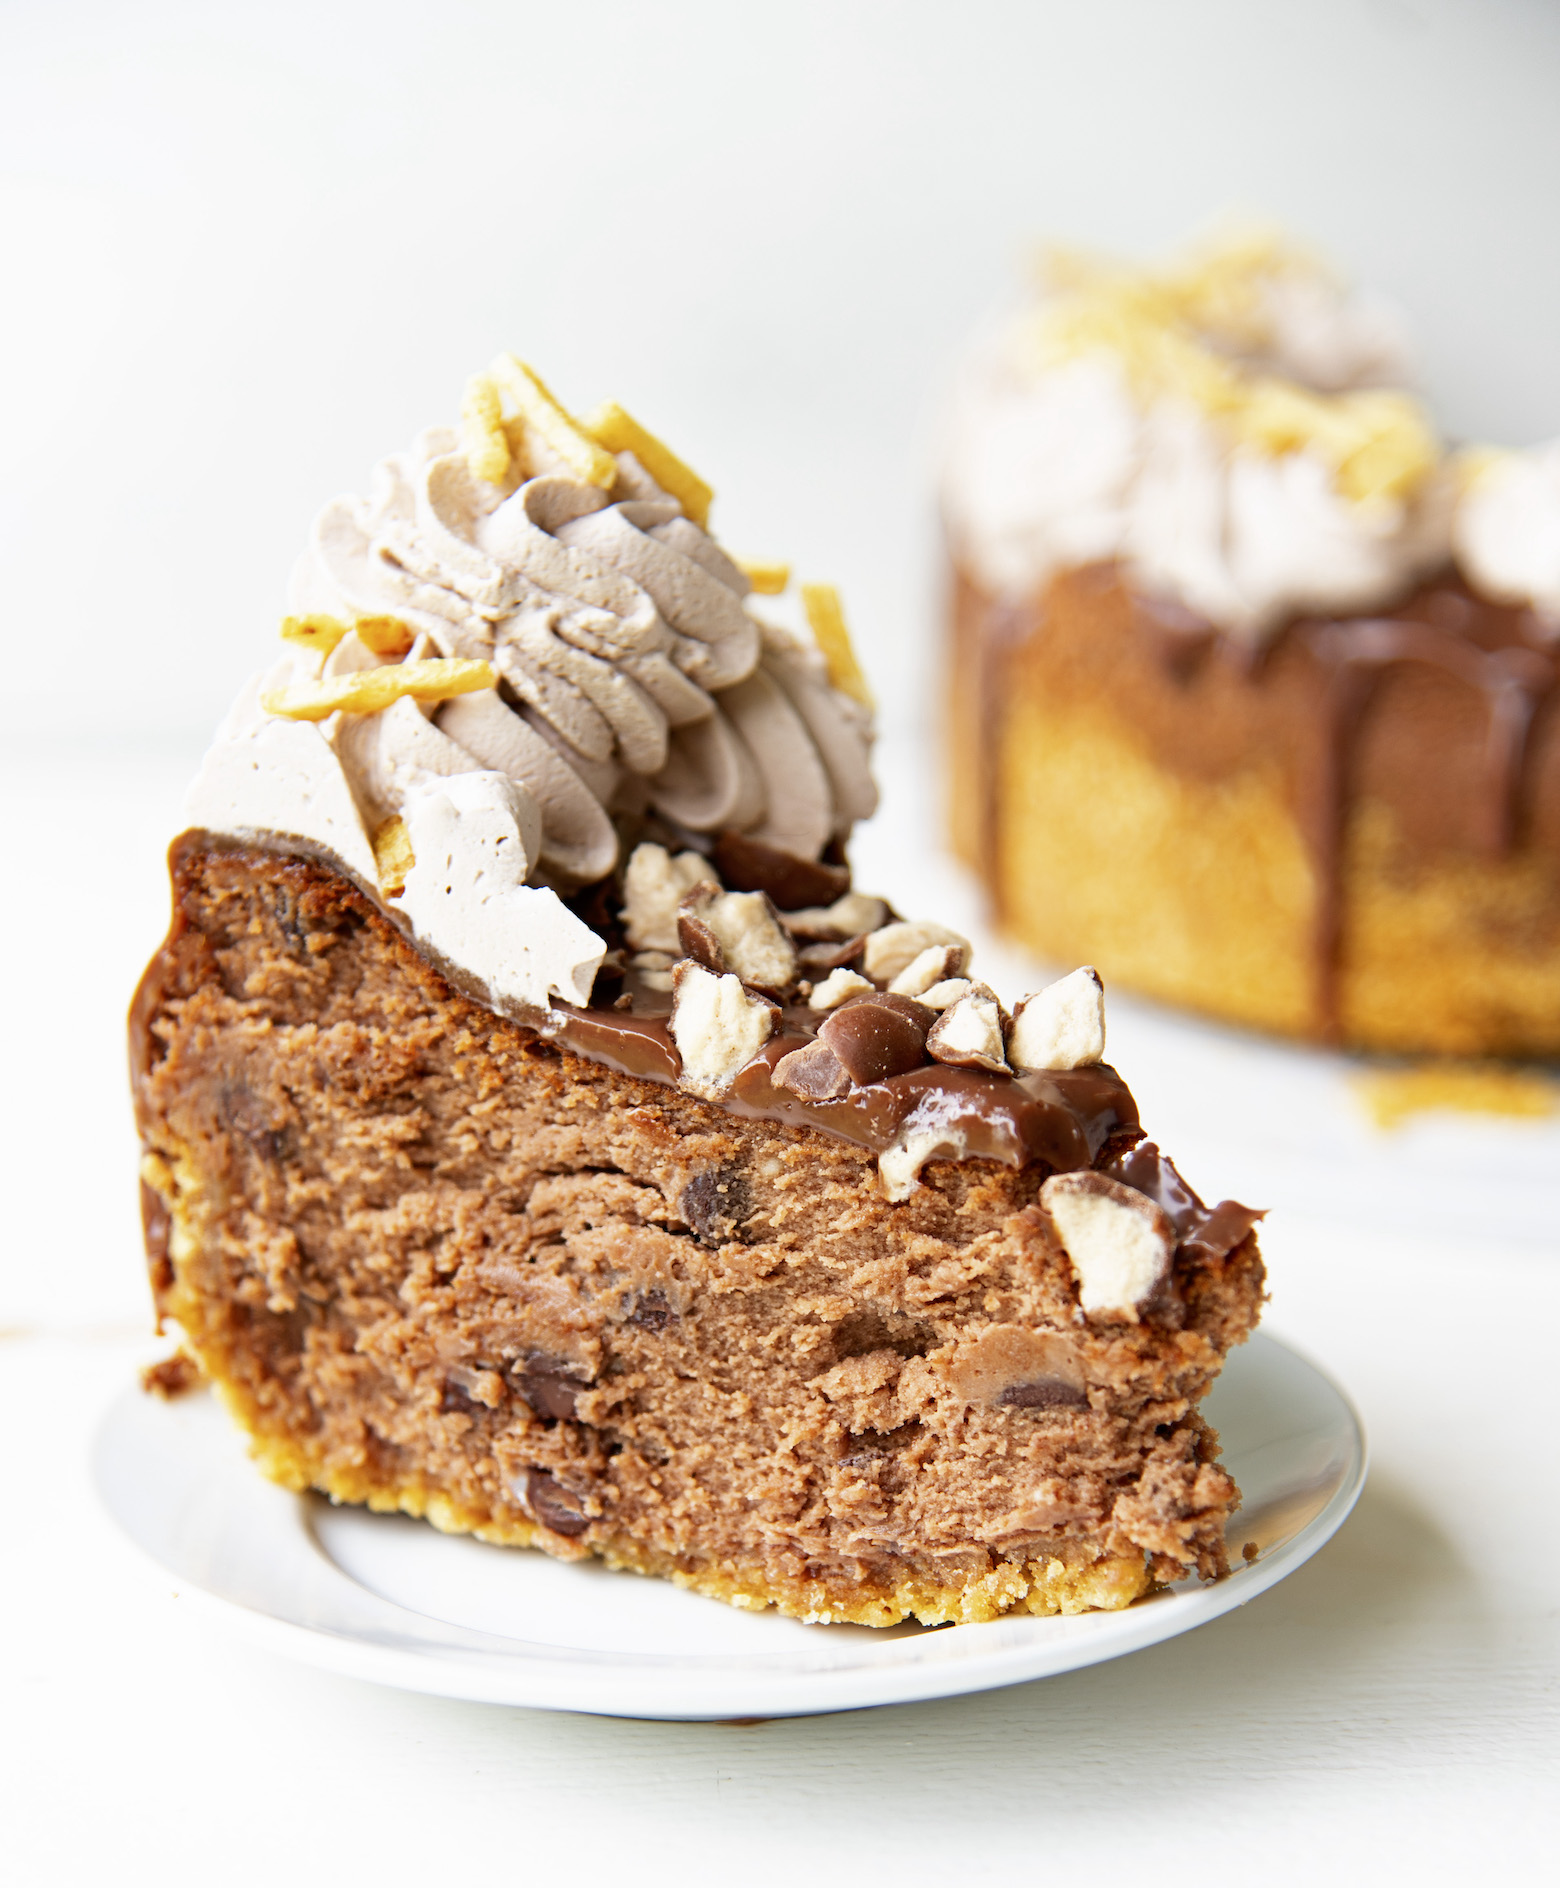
(1252, 680)
(541, 1134)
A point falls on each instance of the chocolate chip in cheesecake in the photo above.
(877, 1036)
(553, 1505)
(813, 1073)
(651, 1311)
(1043, 1393)
(714, 1204)
(550, 1386)
(748, 865)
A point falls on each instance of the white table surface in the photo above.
(1392, 1707)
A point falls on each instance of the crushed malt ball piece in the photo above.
(894, 947)
(943, 996)
(385, 635)
(900, 1163)
(393, 855)
(543, 415)
(877, 1036)
(826, 618)
(817, 960)
(968, 1034)
(745, 932)
(655, 882)
(367, 691)
(813, 1073)
(482, 434)
(1061, 1026)
(1120, 1243)
(655, 970)
(314, 632)
(718, 1027)
(747, 864)
(847, 917)
(936, 964)
(769, 580)
(834, 989)
(619, 431)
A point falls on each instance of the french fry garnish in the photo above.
(768, 579)
(314, 632)
(393, 855)
(385, 635)
(482, 434)
(821, 601)
(542, 414)
(618, 431)
(367, 691)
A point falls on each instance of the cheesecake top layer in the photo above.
(1238, 430)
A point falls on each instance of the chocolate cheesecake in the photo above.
(542, 1136)
(1253, 681)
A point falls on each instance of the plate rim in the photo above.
(489, 1668)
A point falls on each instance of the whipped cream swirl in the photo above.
(633, 676)
(633, 679)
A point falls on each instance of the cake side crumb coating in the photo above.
(436, 1264)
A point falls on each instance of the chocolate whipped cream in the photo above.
(631, 680)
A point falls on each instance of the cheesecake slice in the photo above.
(518, 1280)
(542, 1136)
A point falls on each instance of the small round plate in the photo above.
(385, 1598)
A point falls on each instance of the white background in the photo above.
(245, 250)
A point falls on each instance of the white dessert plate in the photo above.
(392, 1600)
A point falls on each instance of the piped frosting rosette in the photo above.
(518, 643)
(631, 676)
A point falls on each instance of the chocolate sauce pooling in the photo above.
(1063, 1118)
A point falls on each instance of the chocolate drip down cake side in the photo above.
(542, 1135)
(1254, 680)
